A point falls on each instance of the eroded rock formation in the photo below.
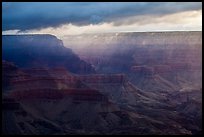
(28, 51)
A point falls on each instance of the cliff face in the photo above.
(10, 71)
(97, 103)
(57, 83)
(41, 51)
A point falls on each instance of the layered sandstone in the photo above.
(54, 94)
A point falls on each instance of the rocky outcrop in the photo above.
(57, 83)
(61, 79)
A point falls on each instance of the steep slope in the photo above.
(41, 51)
(9, 72)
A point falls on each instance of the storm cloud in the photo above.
(37, 15)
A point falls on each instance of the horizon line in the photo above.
(109, 32)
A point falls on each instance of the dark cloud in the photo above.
(33, 15)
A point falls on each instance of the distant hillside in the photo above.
(117, 52)
(41, 51)
(172, 60)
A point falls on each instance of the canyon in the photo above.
(115, 83)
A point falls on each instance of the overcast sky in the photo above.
(71, 18)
